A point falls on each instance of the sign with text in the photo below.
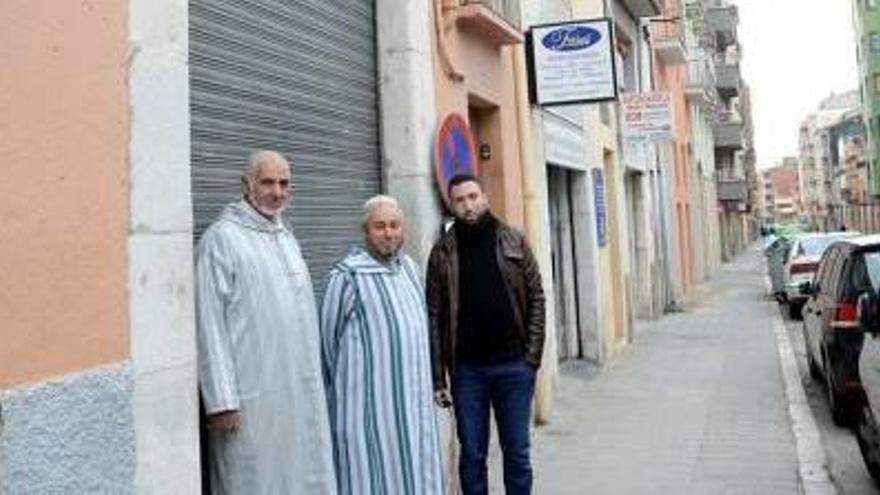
(572, 62)
(647, 116)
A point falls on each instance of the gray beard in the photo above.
(384, 259)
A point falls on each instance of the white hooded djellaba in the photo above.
(259, 353)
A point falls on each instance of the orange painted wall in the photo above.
(672, 79)
(488, 80)
(63, 196)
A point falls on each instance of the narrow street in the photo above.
(696, 405)
(246, 242)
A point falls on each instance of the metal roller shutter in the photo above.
(298, 77)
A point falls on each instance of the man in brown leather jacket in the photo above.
(486, 313)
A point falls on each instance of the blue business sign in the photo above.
(601, 211)
(572, 62)
(568, 38)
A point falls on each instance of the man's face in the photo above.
(468, 202)
(384, 231)
(269, 190)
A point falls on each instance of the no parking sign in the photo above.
(453, 152)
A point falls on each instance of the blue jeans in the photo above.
(508, 388)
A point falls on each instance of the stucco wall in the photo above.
(160, 271)
(63, 197)
(70, 435)
(488, 82)
(408, 117)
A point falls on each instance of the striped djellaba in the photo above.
(377, 369)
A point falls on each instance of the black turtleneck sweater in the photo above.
(486, 324)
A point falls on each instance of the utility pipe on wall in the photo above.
(535, 208)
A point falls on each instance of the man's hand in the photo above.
(226, 421)
(443, 398)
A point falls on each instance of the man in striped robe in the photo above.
(377, 365)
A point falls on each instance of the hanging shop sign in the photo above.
(647, 116)
(453, 152)
(571, 62)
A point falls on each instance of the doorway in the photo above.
(564, 261)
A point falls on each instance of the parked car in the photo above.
(833, 333)
(801, 262)
(868, 428)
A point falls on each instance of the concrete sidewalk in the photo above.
(697, 404)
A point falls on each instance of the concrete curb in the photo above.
(812, 463)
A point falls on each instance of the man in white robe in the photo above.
(259, 347)
(377, 366)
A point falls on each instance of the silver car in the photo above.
(801, 263)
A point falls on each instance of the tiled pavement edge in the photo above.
(698, 404)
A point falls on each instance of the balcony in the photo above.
(722, 20)
(729, 131)
(667, 39)
(643, 8)
(495, 20)
(728, 78)
(700, 87)
(732, 189)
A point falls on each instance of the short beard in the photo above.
(381, 256)
(480, 216)
(260, 210)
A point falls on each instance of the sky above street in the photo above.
(796, 52)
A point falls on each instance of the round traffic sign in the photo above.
(454, 152)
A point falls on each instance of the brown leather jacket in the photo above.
(522, 282)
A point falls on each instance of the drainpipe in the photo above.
(534, 188)
(446, 62)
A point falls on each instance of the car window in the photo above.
(857, 278)
(820, 269)
(834, 275)
(821, 278)
(871, 261)
(826, 284)
(815, 246)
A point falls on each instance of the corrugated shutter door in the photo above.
(298, 77)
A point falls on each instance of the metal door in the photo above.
(297, 77)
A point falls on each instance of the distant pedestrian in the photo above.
(377, 365)
(259, 349)
(486, 310)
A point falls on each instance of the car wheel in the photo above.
(868, 437)
(794, 310)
